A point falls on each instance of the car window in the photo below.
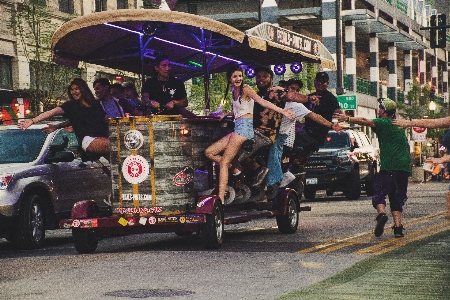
(72, 143)
(20, 146)
(335, 140)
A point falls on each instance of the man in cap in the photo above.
(313, 135)
(164, 91)
(395, 167)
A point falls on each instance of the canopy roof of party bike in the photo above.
(130, 39)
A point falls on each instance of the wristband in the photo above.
(348, 119)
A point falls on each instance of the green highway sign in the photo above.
(347, 102)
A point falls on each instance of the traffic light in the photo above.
(438, 37)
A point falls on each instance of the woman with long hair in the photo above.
(224, 150)
(85, 115)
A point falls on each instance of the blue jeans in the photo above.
(274, 161)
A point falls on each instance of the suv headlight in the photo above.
(4, 181)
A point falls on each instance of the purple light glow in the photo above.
(296, 67)
(279, 69)
(250, 72)
(173, 43)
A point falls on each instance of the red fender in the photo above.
(84, 209)
(205, 204)
(281, 200)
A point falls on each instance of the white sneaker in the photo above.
(287, 178)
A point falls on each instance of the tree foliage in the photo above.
(418, 107)
(33, 25)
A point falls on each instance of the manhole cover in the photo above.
(147, 293)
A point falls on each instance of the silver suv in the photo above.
(41, 177)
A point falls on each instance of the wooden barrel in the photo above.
(154, 159)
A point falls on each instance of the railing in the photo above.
(348, 82)
(364, 86)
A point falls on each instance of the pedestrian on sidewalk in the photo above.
(395, 166)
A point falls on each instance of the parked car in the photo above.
(13, 106)
(347, 162)
(41, 177)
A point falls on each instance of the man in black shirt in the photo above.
(164, 92)
(313, 135)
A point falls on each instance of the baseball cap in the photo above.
(387, 104)
(295, 81)
(322, 76)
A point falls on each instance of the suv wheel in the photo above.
(353, 191)
(309, 194)
(31, 228)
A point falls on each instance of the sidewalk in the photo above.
(418, 270)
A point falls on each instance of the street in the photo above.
(255, 261)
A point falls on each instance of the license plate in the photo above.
(311, 180)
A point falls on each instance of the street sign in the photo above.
(419, 134)
(347, 102)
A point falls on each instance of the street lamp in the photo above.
(432, 106)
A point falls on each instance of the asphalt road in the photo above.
(255, 261)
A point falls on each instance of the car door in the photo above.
(77, 180)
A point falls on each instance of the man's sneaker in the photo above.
(381, 221)
(398, 231)
(287, 178)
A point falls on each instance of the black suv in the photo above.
(347, 162)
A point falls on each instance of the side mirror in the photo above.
(61, 156)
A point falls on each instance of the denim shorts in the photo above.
(244, 127)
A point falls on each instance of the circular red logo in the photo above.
(418, 129)
(135, 169)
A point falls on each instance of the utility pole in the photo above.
(339, 77)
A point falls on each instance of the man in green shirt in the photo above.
(395, 166)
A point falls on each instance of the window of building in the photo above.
(122, 4)
(5, 72)
(66, 6)
(100, 5)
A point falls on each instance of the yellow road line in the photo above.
(395, 243)
(366, 235)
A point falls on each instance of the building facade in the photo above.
(383, 50)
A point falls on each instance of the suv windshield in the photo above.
(335, 140)
(20, 146)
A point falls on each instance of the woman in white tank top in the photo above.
(243, 101)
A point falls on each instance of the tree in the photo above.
(33, 25)
(419, 98)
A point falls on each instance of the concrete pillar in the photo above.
(329, 33)
(392, 67)
(407, 70)
(269, 10)
(434, 71)
(20, 73)
(374, 63)
(350, 54)
(422, 67)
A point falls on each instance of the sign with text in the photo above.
(419, 134)
(347, 102)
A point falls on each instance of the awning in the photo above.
(129, 40)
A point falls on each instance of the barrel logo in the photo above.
(135, 169)
(133, 139)
(183, 177)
